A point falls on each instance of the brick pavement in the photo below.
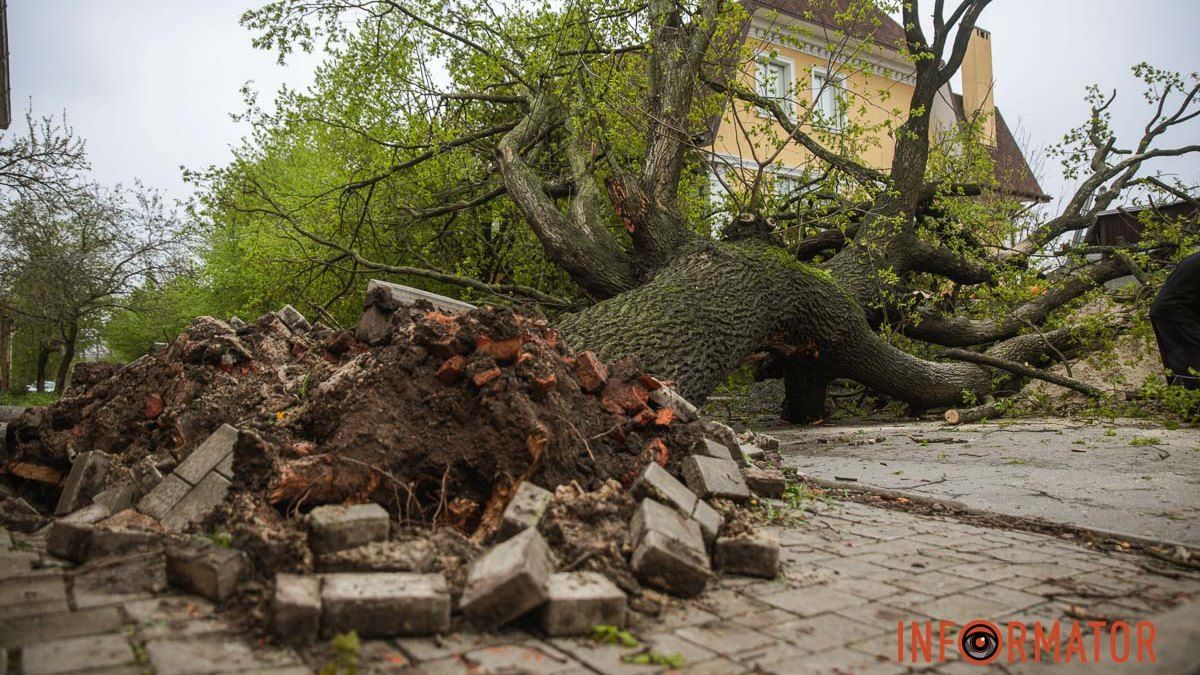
(850, 572)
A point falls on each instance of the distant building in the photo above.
(798, 45)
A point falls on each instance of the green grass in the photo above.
(27, 398)
(1141, 441)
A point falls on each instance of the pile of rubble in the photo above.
(441, 466)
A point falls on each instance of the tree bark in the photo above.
(6, 334)
(70, 342)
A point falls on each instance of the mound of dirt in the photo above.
(438, 419)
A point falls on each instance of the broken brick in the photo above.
(659, 451)
(545, 384)
(664, 417)
(504, 351)
(591, 372)
(484, 376)
(154, 406)
(451, 369)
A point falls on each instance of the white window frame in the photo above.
(819, 76)
(787, 99)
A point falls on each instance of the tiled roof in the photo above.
(876, 25)
(1012, 170)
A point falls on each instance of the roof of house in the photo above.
(876, 25)
(1012, 170)
(1123, 225)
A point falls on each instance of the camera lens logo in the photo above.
(979, 642)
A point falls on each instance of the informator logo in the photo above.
(981, 642)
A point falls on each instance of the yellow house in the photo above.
(840, 72)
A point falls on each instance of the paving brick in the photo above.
(296, 607)
(765, 482)
(337, 528)
(578, 601)
(709, 477)
(812, 600)
(709, 448)
(20, 515)
(118, 497)
(198, 503)
(532, 658)
(723, 435)
(655, 483)
(748, 555)
(15, 632)
(292, 318)
(207, 455)
(37, 593)
(709, 519)
(508, 580)
(84, 480)
(71, 655)
(70, 537)
(214, 654)
(669, 551)
(385, 604)
(146, 475)
(211, 571)
(111, 580)
(159, 501)
(666, 397)
(524, 510)
(725, 638)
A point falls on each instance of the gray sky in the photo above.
(150, 83)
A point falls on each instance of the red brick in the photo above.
(154, 405)
(659, 451)
(591, 372)
(451, 369)
(484, 376)
(545, 384)
(664, 417)
(504, 351)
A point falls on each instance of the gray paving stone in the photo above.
(669, 551)
(37, 593)
(812, 600)
(765, 482)
(146, 475)
(827, 631)
(70, 537)
(524, 510)
(118, 497)
(709, 519)
(78, 654)
(384, 604)
(725, 638)
(296, 607)
(576, 602)
(748, 555)
(159, 501)
(293, 319)
(666, 397)
(708, 477)
(655, 483)
(214, 654)
(527, 658)
(84, 480)
(710, 448)
(198, 503)
(508, 580)
(207, 455)
(112, 580)
(334, 528)
(210, 571)
(15, 632)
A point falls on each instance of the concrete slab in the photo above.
(1130, 477)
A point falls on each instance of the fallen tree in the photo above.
(591, 137)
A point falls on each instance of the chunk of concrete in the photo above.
(208, 454)
(296, 608)
(669, 551)
(765, 482)
(385, 604)
(655, 483)
(109, 541)
(70, 537)
(334, 528)
(390, 297)
(750, 555)
(159, 501)
(146, 475)
(710, 477)
(209, 571)
(18, 514)
(524, 510)
(722, 434)
(508, 580)
(750, 451)
(293, 319)
(84, 480)
(666, 397)
(198, 503)
(577, 602)
(709, 448)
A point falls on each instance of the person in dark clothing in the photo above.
(1175, 315)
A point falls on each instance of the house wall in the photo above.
(879, 84)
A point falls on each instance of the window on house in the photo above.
(829, 100)
(785, 185)
(775, 82)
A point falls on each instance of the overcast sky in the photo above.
(150, 83)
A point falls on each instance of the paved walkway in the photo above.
(850, 573)
(1129, 477)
